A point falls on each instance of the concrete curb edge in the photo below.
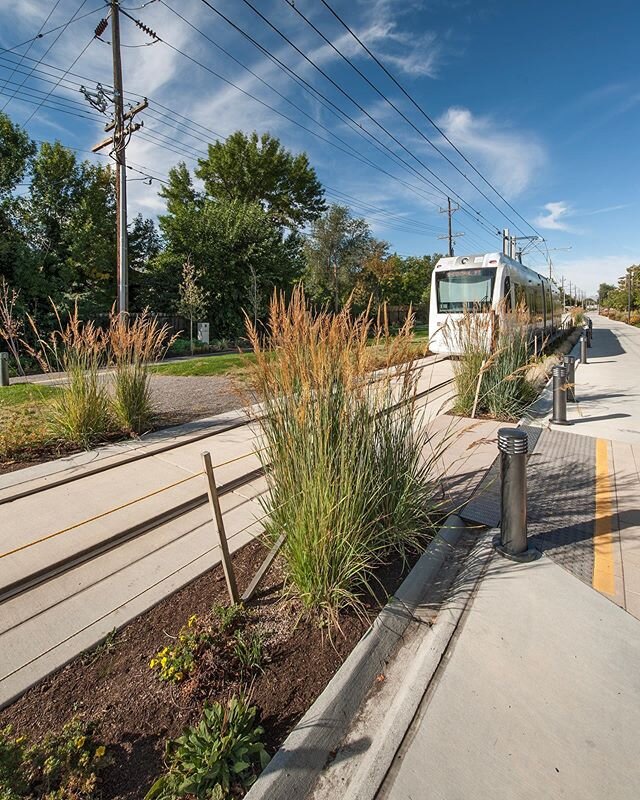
(294, 768)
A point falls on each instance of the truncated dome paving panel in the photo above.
(561, 498)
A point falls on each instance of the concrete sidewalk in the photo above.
(538, 693)
(538, 696)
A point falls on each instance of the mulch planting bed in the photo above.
(134, 712)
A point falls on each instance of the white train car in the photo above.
(481, 283)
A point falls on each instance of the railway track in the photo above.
(52, 611)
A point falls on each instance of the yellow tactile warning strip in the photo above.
(603, 564)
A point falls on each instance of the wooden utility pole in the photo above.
(119, 148)
(123, 127)
(451, 236)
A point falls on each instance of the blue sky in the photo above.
(542, 97)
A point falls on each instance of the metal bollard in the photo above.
(587, 335)
(570, 364)
(559, 396)
(583, 349)
(4, 369)
(513, 444)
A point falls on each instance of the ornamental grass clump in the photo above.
(342, 448)
(81, 413)
(493, 362)
(135, 342)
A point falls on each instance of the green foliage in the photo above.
(16, 151)
(348, 483)
(229, 617)
(505, 390)
(335, 249)
(212, 760)
(222, 239)
(249, 649)
(175, 663)
(258, 170)
(61, 767)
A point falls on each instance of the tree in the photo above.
(259, 170)
(16, 152)
(336, 248)
(226, 240)
(193, 298)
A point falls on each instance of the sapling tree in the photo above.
(193, 298)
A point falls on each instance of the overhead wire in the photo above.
(398, 110)
(450, 191)
(31, 43)
(51, 30)
(62, 29)
(425, 115)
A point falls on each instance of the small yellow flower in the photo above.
(100, 751)
(153, 663)
(191, 620)
(80, 742)
(179, 676)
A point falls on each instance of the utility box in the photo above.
(203, 332)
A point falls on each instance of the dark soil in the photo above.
(135, 712)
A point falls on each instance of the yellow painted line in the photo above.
(603, 575)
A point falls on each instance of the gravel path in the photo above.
(183, 399)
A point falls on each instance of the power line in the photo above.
(62, 29)
(421, 110)
(318, 96)
(363, 110)
(51, 30)
(55, 5)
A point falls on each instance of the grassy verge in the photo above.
(209, 365)
(25, 409)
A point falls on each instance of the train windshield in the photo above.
(462, 289)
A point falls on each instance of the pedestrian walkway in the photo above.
(538, 693)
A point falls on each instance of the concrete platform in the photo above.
(537, 697)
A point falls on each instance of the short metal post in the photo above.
(570, 364)
(590, 323)
(4, 369)
(513, 444)
(587, 335)
(214, 502)
(559, 395)
(583, 349)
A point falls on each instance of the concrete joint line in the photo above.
(294, 768)
(373, 768)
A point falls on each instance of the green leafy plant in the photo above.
(175, 663)
(229, 617)
(63, 766)
(249, 649)
(221, 754)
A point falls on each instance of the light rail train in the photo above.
(489, 282)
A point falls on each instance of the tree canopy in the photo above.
(258, 169)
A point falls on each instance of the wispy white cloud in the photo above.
(510, 157)
(605, 210)
(554, 217)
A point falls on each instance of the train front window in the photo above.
(462, 289)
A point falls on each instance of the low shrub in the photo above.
(61, 766)
(224, 753)
(496, 347)
(249, 649)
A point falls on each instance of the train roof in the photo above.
(489, 260)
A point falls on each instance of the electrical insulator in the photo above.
(101, 27)
(146, 29)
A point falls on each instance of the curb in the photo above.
(375, 765)
(293, 770)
